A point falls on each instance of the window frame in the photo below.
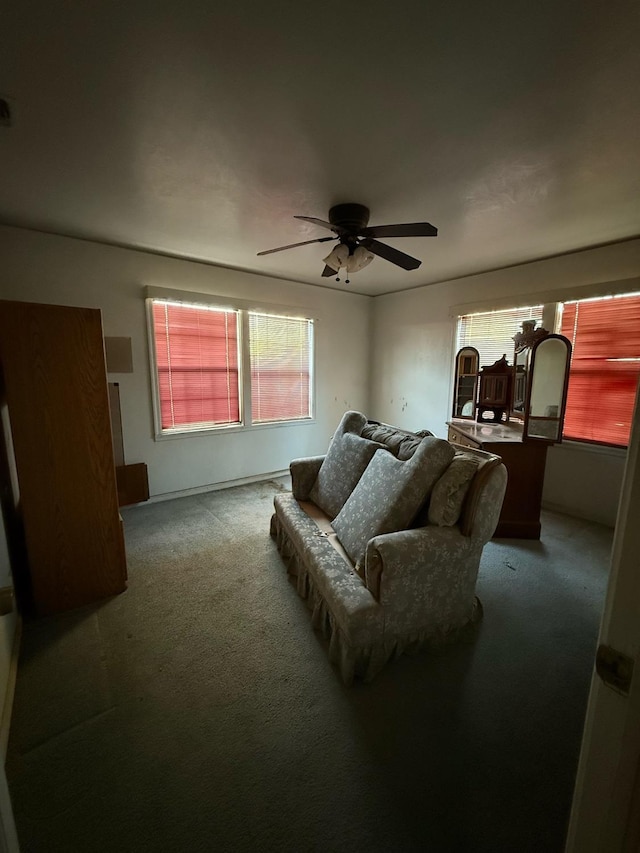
(552, 308)
(243, 309)
(246, 321)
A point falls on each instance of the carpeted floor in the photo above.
(197, 711)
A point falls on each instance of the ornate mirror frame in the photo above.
(546, 400)
(465, 386)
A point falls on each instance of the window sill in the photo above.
(587, 447)
(230, 429)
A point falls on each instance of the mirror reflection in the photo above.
(520, 378)
(549, 368)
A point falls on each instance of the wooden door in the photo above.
(52, 359)
(605, 816)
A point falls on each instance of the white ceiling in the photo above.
(201, 128)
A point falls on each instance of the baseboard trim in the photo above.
(572, 513)
(7, 710)
(215, 487)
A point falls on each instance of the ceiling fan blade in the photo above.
(294, 245)
(327, 272)
(400, 259)
(315, 221)
(411, 229)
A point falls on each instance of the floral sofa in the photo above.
(383, 536)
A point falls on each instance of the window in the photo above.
(280, 354)
(491, 332)
(196, 351)
(200, 370)
(605, 365)
(605, 362)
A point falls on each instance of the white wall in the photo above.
(584, 481)
(413, 350)
(47, 268)
(407, 339)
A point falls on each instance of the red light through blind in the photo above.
(605, 365)
(197, 362)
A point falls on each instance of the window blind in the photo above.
(605, 366)
(491, 332)
(197, 362)
(281, 358)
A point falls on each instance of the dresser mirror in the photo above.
(524, 341)
(520, 382)
(466, 383)
(550, 359)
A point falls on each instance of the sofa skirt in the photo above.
(363, 659)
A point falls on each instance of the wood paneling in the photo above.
(52, 359)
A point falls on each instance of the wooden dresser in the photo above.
(525, 463)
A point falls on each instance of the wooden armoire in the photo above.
(64, 525)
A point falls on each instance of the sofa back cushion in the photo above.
(389, 494)
(347, 457)
(402, 443)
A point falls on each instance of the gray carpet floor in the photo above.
(198, 711)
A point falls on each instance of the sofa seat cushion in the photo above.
(449, 493)
(351, 604)
(389, 494)
(347, 457)
(324, 526)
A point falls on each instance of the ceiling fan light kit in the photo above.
(353, 259)
(357, 244)
(359, 259)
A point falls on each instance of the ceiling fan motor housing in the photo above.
(351, 218)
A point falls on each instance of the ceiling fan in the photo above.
(358, 243)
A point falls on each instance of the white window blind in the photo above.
(491, 332)
(281, 364)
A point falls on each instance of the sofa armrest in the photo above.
(484, 501)
(414, 573)
(303, 475)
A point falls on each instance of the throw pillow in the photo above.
(347, 457)
(450, 491)
(389, 494)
